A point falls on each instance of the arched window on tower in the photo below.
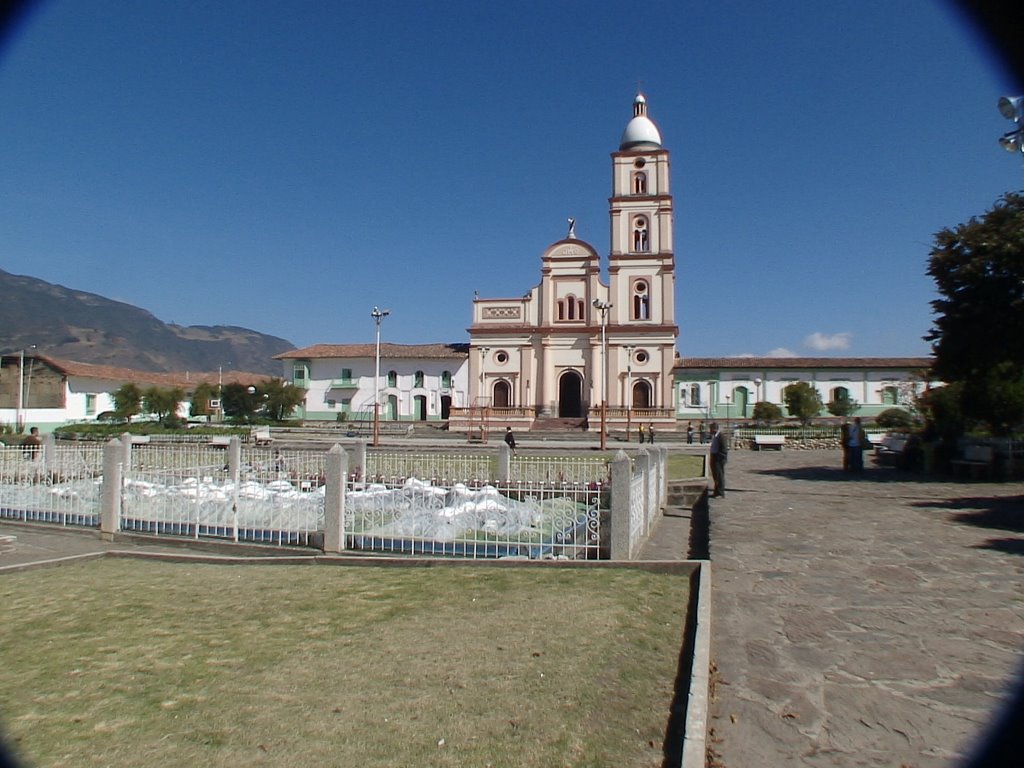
(561, 309)
(641, 300)
(641, 242)
(640, 183)
(580, 309)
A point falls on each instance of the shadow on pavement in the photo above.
(1004, 513)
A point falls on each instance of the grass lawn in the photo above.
(683, 466)
(134, 663)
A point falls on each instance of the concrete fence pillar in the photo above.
(621, 480)
(126, 448)
(49, 452)
(334, 499)
(358, 464)
(234, 458)
(110, 493)
(504, 463)
(642, 467)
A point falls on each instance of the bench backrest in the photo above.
(978, 453)
(770, 439)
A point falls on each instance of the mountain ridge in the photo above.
(89, 328)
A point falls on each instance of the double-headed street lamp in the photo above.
(603, 307)
(377, 315)
(629, 389)
(1012, 108)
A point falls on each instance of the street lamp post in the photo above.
(603, 307)
(19, 418)
(728, 413)
(377, 315)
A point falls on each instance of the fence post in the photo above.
(126, 448)
(334, 499)
(49, 452)
(643, 468)
(504, 462)
(359, 465)
(621, 480)
(110, 494)
(234, 474)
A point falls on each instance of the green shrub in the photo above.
(894, 418)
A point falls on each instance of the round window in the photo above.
(640, 162)
(640, 287)
(501, 358)
(642, 357)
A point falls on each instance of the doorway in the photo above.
(570, 396)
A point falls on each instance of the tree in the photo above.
(978, 268)
(163, 403)
(127, 402)
(767, 413)
(201, 397)
(802, 401)
(943, 414)
(842, 404)
(280, 399)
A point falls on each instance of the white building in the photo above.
(48, 392)
(418, 382)
(727, 388)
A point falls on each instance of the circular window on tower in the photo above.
(640, 162)
(501, 357)
(640, 287)
(641, 357)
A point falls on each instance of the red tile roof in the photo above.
(342, 351)
(183, 379)
(776, 363)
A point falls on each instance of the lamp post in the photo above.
(1012, 108)
(757, 392)
(603, 307)
(19, 418)
(377, 315)
(629, 390)
(728, 414)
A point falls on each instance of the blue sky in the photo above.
(226, 163)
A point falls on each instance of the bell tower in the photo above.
(641, 265)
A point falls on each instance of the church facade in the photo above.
(582, 338)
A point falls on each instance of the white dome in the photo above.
(641, 132)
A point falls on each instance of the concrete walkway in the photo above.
(870, 621)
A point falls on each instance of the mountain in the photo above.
(74, 325)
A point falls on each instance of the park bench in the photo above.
(775, 441)
(220, 441)
(261, 436)
(140, 439)
(976, 462)
(890, 448)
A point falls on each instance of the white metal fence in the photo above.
(518, 519)
(51, 484)
(554, 507)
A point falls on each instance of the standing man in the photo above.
(689, 433)
(510, 440)
(855, 446)
(718, 454)
(650, 433)
(640, 429)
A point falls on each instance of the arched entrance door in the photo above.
(391, 408)
(641, 395)
(570, 395)
(420, 407)
(502, 395)
(446, 407)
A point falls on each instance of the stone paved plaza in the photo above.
(872, 621)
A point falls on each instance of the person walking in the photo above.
(32, 445)
(703, 434)
(856, 443)
(510, 440)
(640, 429)
(718, 453)
(650, 434)
(689, 433)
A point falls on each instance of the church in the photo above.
(582, 344)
